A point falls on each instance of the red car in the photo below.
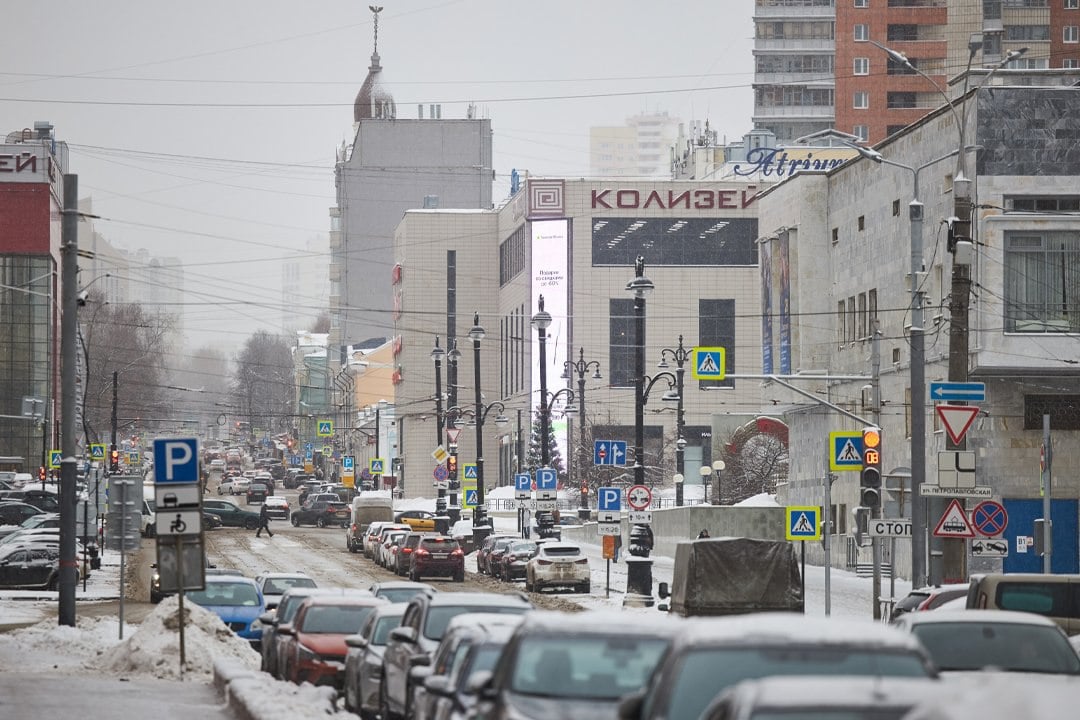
(316, 653)
(437, 555)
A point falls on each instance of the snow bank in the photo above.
(759, 500)
(154, 649)
(261, 696)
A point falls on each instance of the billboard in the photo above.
(550, 247)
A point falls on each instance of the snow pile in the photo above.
(48, 646)
(155, 648)
(265, 698)
(759, 500)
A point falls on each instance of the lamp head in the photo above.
(663, 364)
(705, 471)
(542, 319)
(718, 465)
(437, 353)
(453, 355)
(678, 478)
(501, 420)
(681, 443)
(596, 375)
(476, 333)
(868, 153)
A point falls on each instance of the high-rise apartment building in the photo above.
(820, 64)
(641, 148)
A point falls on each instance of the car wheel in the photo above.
(459, 576)
(414, 575)
(320, 522)
(295, 521)
(528, 584)
(151, 530)
(384, 705)
(251, 523)
(350, 546)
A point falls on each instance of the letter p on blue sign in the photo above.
(176, 460)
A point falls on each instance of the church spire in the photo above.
(374, 101)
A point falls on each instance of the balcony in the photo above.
(788, 44)
(793, 112)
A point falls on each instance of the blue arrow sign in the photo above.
(618, 452)
(547, 479)
(523, 482)
(309, 446)
(609, 452)
(958, 391)
(609, 499)
(601, 452)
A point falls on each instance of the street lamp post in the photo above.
(437, 354)
(639, 567)
(706, 479)
(961, 285)
(541, 321)
(581, 367)
(679, 356)
(718, 467)
(453, 356)
(481, 528)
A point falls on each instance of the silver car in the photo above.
(363, 659)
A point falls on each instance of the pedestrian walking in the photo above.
(703, 534)
(264, 522)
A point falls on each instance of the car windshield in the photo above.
(439, 617)
(587, 667)
(522, 548)
(1008, 646)
(286, 611)
(226, 594)
(483, 659)
(383, 628)
(277, 586)
(345, 619)
(561, 552)
(912, 601)
(398, 595)
(701, 675)
(439, 544)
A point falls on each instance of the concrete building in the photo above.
(32, 166)
(392, 165)
(305, 286)
(575, 242)
(104, 268)
(835, 248)
(636, 150)
(816, 64)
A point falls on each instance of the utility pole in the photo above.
(1047, 525)
(115, 396)
(875, 408)
(69, 254)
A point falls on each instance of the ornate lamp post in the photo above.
(437, 354)
(718, 467)
(679, 356)
(481, 528)
(580, 367)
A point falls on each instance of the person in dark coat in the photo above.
(264, 522)
(703, 534)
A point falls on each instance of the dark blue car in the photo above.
(236, 600)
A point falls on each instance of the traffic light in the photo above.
(114, 460)
(451, 465)
(42, 473)
(870, 479)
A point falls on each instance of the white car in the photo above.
(384, 551)
(558, 564)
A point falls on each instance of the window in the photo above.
(1072, 4)
(851, 319)
(893, 129)
(512, 256)
(894, 67)
(835, 236)
(862, 66)
(1027, 32)
(862, 100)
(1042, 282)
(689, 241)
(896, 208)
(902, 33)
(621, 342)
(862, 132)
(861, 223)
(1042, 203)
(897, 100)
(1064, 411)
(1070, 34)
(862, 33)
(1070, 63)
(864, 323)
(716, 328)
(862, 3)
(991, 9)
(841, 323)
(871, 308)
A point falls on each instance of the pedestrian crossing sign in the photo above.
(376, 465)
(326, 428)
(468, 495)
(97, 451)
(709, 363)
(133, 457)
(54, 459)
(845, 450)
(470, 471)
(802, 523)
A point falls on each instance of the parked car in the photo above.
(385, 551)
(927, 598)
(16, 513)
(558, 564)
(1054, 596)
(422, 628)
(843, 697)
(321, 513)
(403, 556)
(365, 509)
(1002, 640)
(231, 514)
(274, 585)
(560, 665)
(484, 551)
(322, 623)
(495, 557)
(363, 659)
(437, 555)
(44, 500)
(419, 520)
(257, 492)
(277, 507)
(270, 620)
(23, 567)
(399, 591)
(707, 656)
(370, 537)
(236, 600)
(513, 563)
(462, 634)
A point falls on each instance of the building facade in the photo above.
(32, 165)
(576, 242)
(637, 149)
(842, 240)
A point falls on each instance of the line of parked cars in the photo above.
(396, 546)
(543, 564)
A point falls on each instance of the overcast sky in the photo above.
(207, 130)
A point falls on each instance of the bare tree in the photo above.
(755, 458)
(263, 382)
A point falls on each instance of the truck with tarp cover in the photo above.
(731, 576)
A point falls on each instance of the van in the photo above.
(149, 514)
(1054, 596)
(367, 507)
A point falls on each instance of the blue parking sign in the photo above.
(609, 499)
(523, 482)
(176, 460)
(547, 479)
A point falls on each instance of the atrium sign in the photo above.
(696, 199)
(785, 162)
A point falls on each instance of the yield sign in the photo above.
(957, 420)
(452, 434)
(954, 523)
